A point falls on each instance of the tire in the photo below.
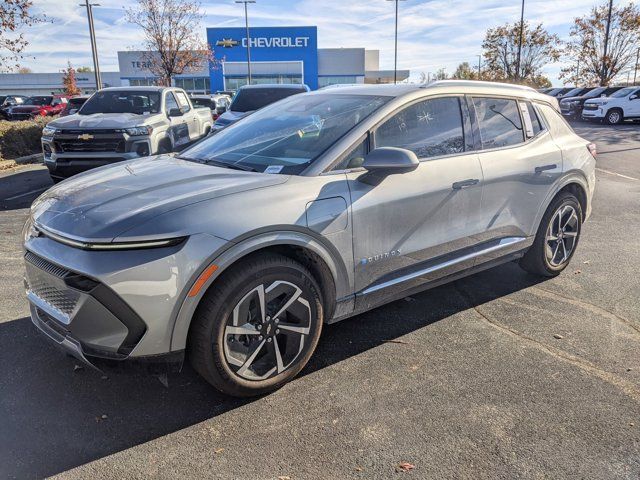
(247, 364)
(551, 252)
(614, 116)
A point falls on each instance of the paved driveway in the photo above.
(500, 375)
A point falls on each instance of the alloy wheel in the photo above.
(562, 235)
(266, 331)
(614, 117)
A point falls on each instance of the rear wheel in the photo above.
(614, 116)
(258, 327)
(557, 237)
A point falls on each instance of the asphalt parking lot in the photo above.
(500, 375)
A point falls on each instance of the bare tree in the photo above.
(24, 70)
(14, 15)
(586, 47)
(500, 51)
(170, 28)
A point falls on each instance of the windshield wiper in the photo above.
(218, 163)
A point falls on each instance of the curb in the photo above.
(35, 158)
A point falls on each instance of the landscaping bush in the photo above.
(18, 139)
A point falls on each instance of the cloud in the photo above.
(432, 34)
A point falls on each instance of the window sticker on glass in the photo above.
(273, 169)
(528, 126)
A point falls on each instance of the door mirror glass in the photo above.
(390, 159)
(175, 112)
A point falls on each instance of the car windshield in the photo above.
(553, 91)
(624, 92)
(573, 92)
(38, 101)
(288, 136)
(596, 92)
(250, 99)
(122, 101)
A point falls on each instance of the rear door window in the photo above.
(430, 128)
(499, 122)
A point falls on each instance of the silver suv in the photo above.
(312, 210)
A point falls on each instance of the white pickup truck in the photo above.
(122, 123)
(619, 106)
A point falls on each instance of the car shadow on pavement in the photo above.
(19, 189)
(55, 416)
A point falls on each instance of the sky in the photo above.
(432, 34)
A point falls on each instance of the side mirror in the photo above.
(390, 159)
(221, 109)
(634, 97)
(175, 112)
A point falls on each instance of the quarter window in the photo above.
(532, 125)
(430, 128)
(499, 122)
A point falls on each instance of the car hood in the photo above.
(101, 120)
(230, 117)
(599, 100)
(102, 204)
(28, 108)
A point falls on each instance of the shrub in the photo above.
(18, 139)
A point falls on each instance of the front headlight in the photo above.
(48, 131)
(136, 131)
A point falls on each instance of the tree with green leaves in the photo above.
(500, 52)
(464, 71)
(585, 49)
(84, 70)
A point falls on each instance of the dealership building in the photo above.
(278, 55)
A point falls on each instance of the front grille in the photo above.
(64, 146)
(46, 265)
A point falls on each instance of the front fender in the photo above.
(241, 248)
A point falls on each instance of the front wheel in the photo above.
(257, 327)
(556, 239)
(614, 117)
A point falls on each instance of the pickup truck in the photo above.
(122, 123)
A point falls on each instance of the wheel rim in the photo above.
(614, 117)
(562, 235)
(266, 332)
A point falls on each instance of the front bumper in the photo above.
(570, 111)
(590, 114)
(112, 305)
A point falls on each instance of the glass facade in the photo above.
(142, 82)
(323, 81)
(193, 85)
(233, 82)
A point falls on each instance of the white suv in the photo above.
(621, 105)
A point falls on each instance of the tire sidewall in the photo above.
(560, 203)
(232, 296)
(620, 118)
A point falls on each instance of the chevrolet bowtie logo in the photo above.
(227, 43)
(85, 136)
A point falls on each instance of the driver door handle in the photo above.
(545, 167)
(465, 183)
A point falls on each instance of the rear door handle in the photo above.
(465, 183)
(546, 167)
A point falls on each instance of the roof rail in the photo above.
(475, 83)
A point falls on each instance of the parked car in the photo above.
(571, 107)
(619, 106)
(250, 98)
(122, 123)
(558, 92)
(217, 103)
(73, 105)
(37, 106)
(8, 101)
(324, 205)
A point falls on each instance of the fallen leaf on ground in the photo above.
(218, 450)
(358, 469)
(558, 336)
(577, 271)
(586, 262)
(284, 477)
(401, 342)
(405, 467)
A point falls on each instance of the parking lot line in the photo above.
(617, 174)
(26, 193)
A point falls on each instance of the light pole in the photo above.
(395, 58)
(92, 35)
(635, 71)
(520, 41)
(479, 66)
(246, 22)
(606, 44)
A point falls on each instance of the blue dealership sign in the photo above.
(288, 52)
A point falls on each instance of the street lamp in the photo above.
(479, 66)
(520, 41)
(246, 21)
(606, 44)
(635, 71)
(395, 58)
(92, 35)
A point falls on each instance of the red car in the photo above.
(39, 105)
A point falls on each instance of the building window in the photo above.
(336, 80)
(193, 85)
(142, 82)
(234, 82)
